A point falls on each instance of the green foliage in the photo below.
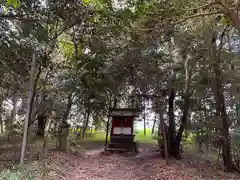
(99, 136)
(140, 137)
(67, 48)
(14, 3)
(15, 175)
(225, 20)
(94, 49)
(188, 140)
(100, 4)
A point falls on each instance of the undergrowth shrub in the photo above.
(16, 175)
(236, 151)
(31, 171)
(188, 140)
(155, 135)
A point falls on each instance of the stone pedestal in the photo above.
(64, 136)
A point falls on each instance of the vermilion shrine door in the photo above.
(122, 125)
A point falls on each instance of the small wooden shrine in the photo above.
(122, 129)
(122, 134)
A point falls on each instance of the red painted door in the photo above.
(122, 122)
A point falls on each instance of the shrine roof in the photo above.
(134, 112)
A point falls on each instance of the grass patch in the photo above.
(139, 137)
(97, 137)
(90, 137)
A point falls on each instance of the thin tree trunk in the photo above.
(68, 108)
(32, 104)
(144, 118)
(115, 103)
(86, 125)
(29, 108)
(154, 124)
(41, 118)
(1, 121)
(164, 136)
(12, 118)
(107, 128)
(206, 134)
(159, 133)
(14, 112)
(200, 140)
(199, 134)
(1, 124)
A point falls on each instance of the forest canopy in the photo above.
(72, 59)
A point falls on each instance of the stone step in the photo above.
(121, 145)
(116, 149)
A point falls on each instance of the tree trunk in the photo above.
(172, 126)
(42, 119)
(163, 129)
(31, 124)
(14, 112)
(115, 103)
(220, 106)
(174, 141)
(178, 139)
(184, 117)
(171, 134)
(144, 118)
(29, 108)
(221, 112)
(1, 121)
(68, 108)
(12, 118)
(200, 140)
(153, 127)
(1, 124)
(85, 127)
(107, 128)
(171, 97)
(226, 8)
(40, 115)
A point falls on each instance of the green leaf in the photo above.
(14, 3)
(225, 21)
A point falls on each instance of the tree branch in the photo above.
(17, 17)
(37, 118)
(230, 12)
(201, 7)
(182, 20)
(46, 79)
(198, 15)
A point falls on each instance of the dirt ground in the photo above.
(93, 164)
(147, 165)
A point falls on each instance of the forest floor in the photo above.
(146, 165)
(93, 164)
